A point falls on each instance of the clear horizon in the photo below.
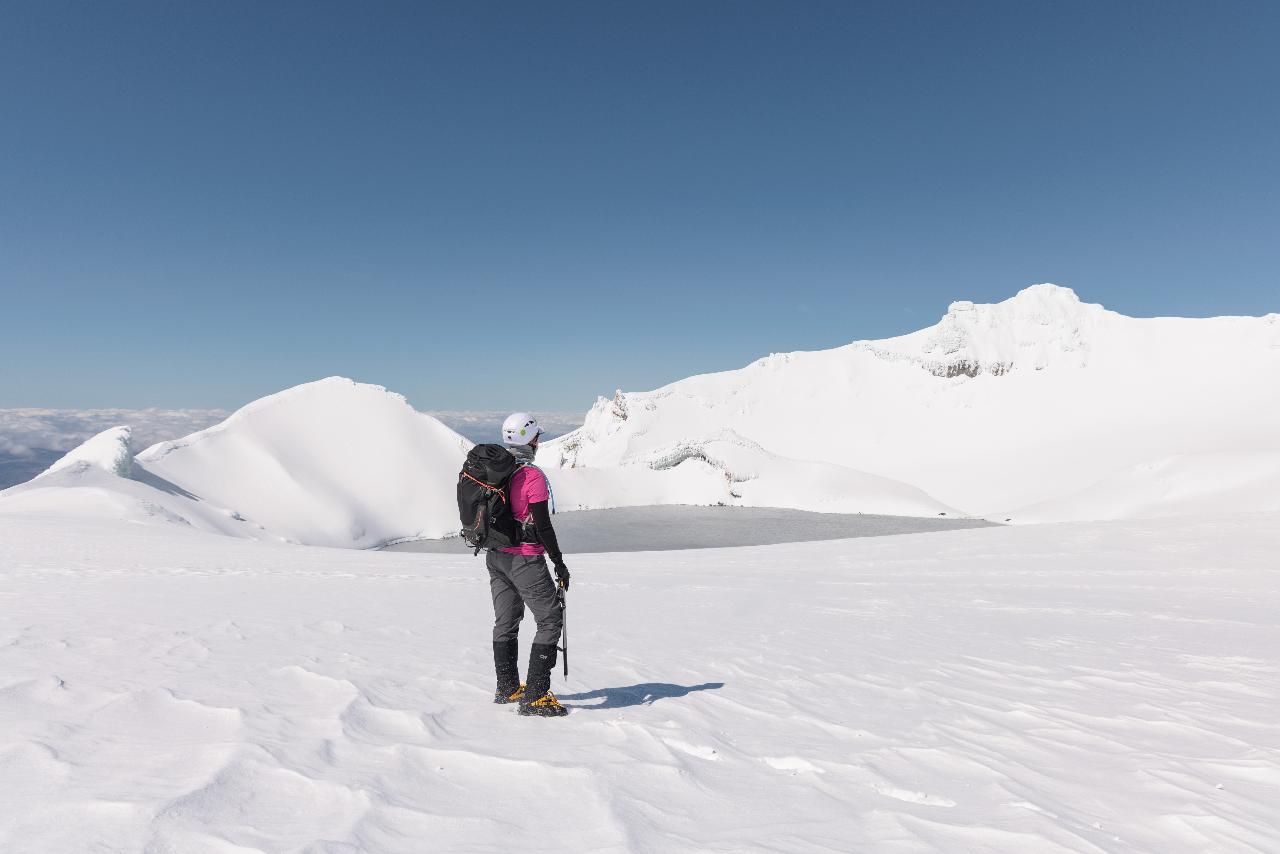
(206, 205)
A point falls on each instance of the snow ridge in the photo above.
(1041, 403)
(332, 462)
(994, 408)
(109, 451)
(1043, 325)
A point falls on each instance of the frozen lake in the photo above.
(635, 529)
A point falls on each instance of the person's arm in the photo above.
(547, 536)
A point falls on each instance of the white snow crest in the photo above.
(109, 450)
(1042, 326)
(332, 462)
(328, 384)
(995, 407)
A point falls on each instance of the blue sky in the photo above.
(512, 205)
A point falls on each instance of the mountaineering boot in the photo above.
(506, 664)
(546, 706)
(514, 697)
(538, 699)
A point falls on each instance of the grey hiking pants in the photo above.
(519, 580)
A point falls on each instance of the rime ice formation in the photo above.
(109, 451)
(1040, 327)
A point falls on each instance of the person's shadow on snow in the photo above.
(644, 694)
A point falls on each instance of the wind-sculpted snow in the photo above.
(725, 468)
(1100, 688)
(82, 491)
(333, 462)
(109, 450)
(1043, 326)
(995, 408)
(753, 477)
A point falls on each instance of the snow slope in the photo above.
(995, 407)
(725, 468)
(1095, 687)
(1186, 485)
(86, 492)
(333, 463)
(109, 451)
(99, 480)
(340, 463)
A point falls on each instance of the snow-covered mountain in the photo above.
(993, 408)
(726, 468)
(340, 463)
(333, 463)
(1038, 408)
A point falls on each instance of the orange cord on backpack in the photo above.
(488, 486)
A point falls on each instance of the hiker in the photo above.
(518, 577)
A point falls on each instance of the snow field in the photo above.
(1058, 688)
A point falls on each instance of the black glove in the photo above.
(562, 574)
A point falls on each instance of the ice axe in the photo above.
(564, 627)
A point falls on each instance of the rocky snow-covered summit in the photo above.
(993, 408)
(1042, 326)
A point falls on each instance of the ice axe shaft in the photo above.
(564, 630)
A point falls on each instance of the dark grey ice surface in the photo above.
(638, 529)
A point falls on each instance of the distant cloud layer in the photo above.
(32, 439)
(24, 431)
(482, 426)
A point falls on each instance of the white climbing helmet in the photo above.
(520, 428)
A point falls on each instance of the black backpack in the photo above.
(483, 504)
